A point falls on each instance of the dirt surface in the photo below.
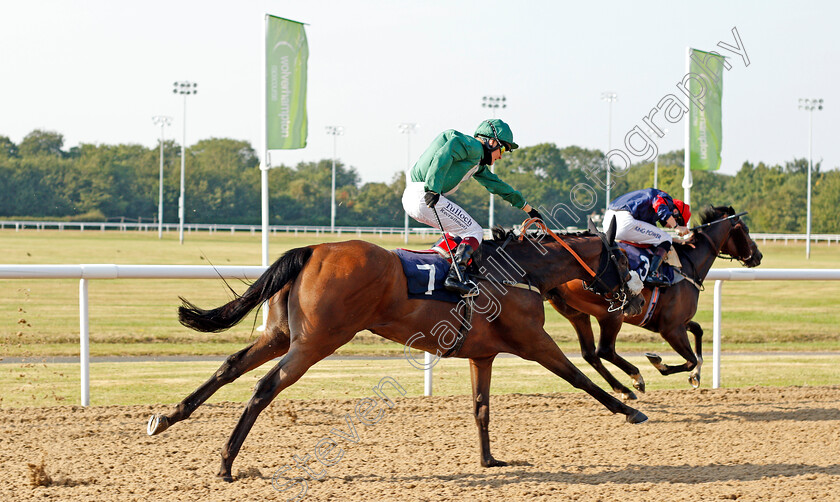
(740, 444)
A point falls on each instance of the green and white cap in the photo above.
(497, 129)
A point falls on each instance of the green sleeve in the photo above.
(495, 185)
(454, 150)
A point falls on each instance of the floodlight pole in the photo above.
(184, 88)
(609, 97)
(809, 105)
(333, 131)
(656, 158)
(494, 103)
(161, 120)
(408, 129)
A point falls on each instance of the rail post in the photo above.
(716, 336)
(84, 341)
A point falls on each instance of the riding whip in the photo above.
(446, 242)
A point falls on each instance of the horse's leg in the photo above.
(273, 342)
(236, 365)
(610, 326)
(678, 339)
(480, 370)
(586, 339)
(290, 368)
(552, 358)
(697, 331)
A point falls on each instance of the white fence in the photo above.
(19, 225)
(751, 274)
(87, 272)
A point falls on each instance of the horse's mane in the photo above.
(709, 213)
(500, 234)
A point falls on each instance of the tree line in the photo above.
(92, 182)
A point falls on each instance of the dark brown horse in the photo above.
(722, 233)
(321, 296)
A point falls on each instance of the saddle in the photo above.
(640, 255)
(425, 272)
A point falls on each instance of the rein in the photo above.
(541, 225)
(698, 227)
(617, 302)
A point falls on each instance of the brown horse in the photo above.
(722, 232)
(321, 296)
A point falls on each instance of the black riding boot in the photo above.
(654, 278)
(465, 287)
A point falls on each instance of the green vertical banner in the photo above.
(286, 55)
(706, 88)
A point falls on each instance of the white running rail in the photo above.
(104, 271)
(751, 274)
(86, 272)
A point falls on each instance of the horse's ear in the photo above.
(590, 226)
(611, 232)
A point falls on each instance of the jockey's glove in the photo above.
(431, 198)
(533, 213)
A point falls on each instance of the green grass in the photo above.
(127, 383)
(138, 317)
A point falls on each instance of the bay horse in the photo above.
(722, 233)
(320, 296)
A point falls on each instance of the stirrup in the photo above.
(657, 280)
(466, 289)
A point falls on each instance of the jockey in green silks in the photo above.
(450, 160)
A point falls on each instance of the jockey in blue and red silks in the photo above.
(636, 214)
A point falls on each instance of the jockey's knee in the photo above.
(474, 231)
(472, 242)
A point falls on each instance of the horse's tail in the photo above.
(280, 273)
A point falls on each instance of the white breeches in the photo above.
(633, 230)
(454, 219)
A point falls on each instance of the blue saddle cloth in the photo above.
(425, 273)
(639, 259)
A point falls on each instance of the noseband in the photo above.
(616, 300)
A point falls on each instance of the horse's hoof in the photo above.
(639, 383)
(157, 424)
(627, 395)
(492, 462)
(694, 380)
(655, 360)
(637, 418)
(227, 478)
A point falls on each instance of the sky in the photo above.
(98, 71)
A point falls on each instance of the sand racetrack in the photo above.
(737, 444)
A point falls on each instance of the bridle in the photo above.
(736, 219)
(597, 285)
